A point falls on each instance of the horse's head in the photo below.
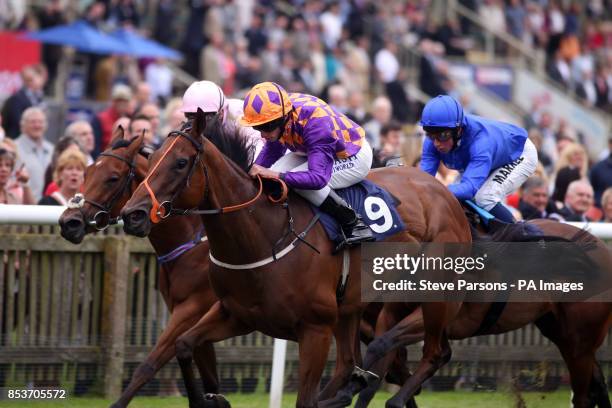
(109, 183)
(175, 179)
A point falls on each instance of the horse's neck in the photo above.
(245, 235)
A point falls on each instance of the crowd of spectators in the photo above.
(351, 53)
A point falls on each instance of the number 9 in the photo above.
(382, 212)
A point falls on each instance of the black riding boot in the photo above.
(353, 227)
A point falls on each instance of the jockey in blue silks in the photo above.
(494, 158)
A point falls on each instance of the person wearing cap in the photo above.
(121, 105)
(327, 151)
(209, 97)
(494, 158)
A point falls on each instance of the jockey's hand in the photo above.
(256, 170)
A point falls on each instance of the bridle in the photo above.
(160, 211)
(102, 219)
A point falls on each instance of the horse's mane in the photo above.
(230, 142)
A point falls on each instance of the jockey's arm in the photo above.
(320, 147)
(430, 161)
(475, 174)
(271, 152)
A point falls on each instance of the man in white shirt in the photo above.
(33, 150)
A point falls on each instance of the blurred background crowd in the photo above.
(355, 54)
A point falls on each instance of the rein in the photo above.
(160, 211)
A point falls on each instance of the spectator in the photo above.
(30, 94)
(32, 149)
(391, 143)
(381, 115)
(601, 175)
(124, 122)
(256, 35)
(159, 77)
(573, 155)
(337, 96)
(388, 68)
(331, 24)
(356, 108)
(536, 137)
(151, 112)
(534, 202)
(17, 190)
(120, 106)
(213, 59)
(69, 176)
(62, 145)
(142, 94)
(578, 200)
(140, 124)
(545, 126)
(606, 205)
(51, 15)
(82, 132)
(173, 116)
(515, 18)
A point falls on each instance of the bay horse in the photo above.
(293, 296)
(182, 281)
(183, 276)
(576, 328)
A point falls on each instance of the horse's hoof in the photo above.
(394, 403)
(411, 403)
(216, 401)
(341, 400)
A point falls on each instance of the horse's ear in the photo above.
(198, 123)
(118, 134)
(136, 143)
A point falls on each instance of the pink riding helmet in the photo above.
(205, 95)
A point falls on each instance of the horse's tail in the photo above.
(575, 261)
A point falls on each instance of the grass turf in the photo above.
(427, 400)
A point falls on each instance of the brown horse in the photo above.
(577, 328)
(293, 296)
(183, 282)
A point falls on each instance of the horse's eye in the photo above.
(112, 179)
(181, 163)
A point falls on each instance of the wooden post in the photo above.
(114, 312)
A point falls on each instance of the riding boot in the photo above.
(353, 227)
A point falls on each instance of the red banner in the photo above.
(15, 53)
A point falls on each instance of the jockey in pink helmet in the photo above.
(209, 97)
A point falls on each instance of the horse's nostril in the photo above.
(138, 216)
(73, 224)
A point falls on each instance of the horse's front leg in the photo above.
(216, 325)
(182, 318)
(314, 342)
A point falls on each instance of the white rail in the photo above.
(49, 215)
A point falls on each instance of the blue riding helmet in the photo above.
(443, 111)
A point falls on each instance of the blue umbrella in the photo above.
(81, 36)
(138, 46)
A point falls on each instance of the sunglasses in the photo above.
(270, 126)
(443, 136)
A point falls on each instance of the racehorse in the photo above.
(183, 277)
(576, 328)
(292, 296)
(183, 281)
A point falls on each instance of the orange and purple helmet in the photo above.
(264, 103)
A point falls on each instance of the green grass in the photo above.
(427, 400)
